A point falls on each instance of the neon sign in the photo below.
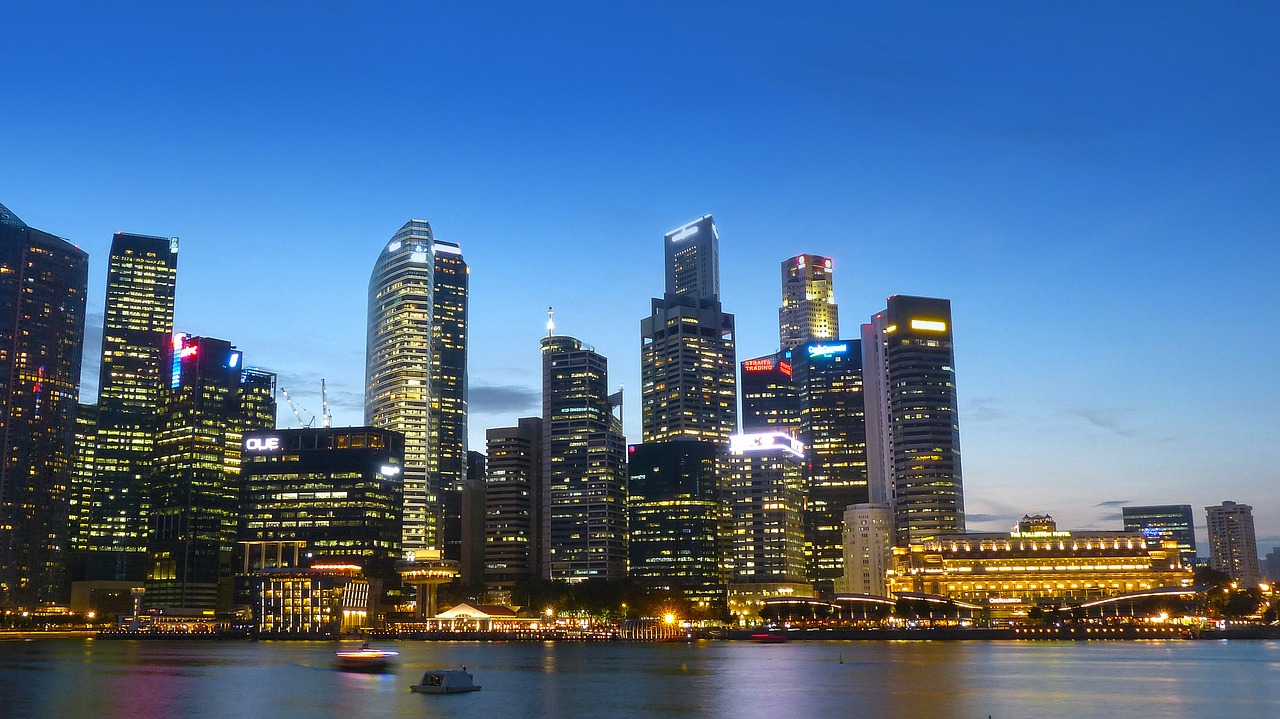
(764, 441)
(684, 232)
(757, 365)
(828, 350)
(785, 368)
(930, 325)
(262, 444)
(181, 351)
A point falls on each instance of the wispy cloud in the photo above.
(503, 398)
(1113, 503)
(1102, 419)
(985, 409)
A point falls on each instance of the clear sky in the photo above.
(1094, 185)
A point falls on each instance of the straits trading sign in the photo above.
(262, 444)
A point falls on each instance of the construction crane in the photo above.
(326, 416)
(294, 406)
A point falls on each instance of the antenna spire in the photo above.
(551, 323)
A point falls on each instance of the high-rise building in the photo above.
(398, 366)
(766, 487)
(1233, 547)
(868, 548)
(447, 454)
(137, 326)
(473, 506)
(43, 280)
(513, 503)
(338, 489)
(584, 466)
(809, 312)
(687, 366)
(1162, 523)
(913, 434)
(828, 377)
(86, 441)
(677, 519)
(210, 402)
(770, 402)
(1271, 565)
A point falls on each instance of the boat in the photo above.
(365, 659)
(770, 637)
(446, 681)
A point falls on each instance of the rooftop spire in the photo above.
(551, 324)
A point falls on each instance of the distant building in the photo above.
(210, 402)
(512, 498)
(868, 548)
(337, 490)
(1162, 523)
(43, 281)
(1233, 548)
(584, 466)
(770, 398)
(398, 368)
(677, 519)
(1271, 565)
(766, 488)
(447, 453)
(473, 520)
(913, 433)
(809, 312)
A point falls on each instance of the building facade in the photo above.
(584, 466)
(770, 398)
(678, 519)
(447, 458)
(766, 489)
(868, 548)
(1162, 523)
(1233, 547)
(913, 430)
(513, 498)
(137, 326)
(211, 401)
(809, 312)
(398, 367)
(43, 281)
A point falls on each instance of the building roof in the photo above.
(8, 218)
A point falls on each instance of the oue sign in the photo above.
(261, 444)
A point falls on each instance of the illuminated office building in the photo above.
(447, 454)
(43, 281)
(338, 489)
(677, 519)
(513, 498)
(766, 489)
(584, 466)
(809, 312)
(86, 440)
(136, 329)
(398, 370)
(210, 402)
(1233, 547)
(1162, 523)
(687, 365)
(828, 378)
(913, 434)
(770, 401)
(868, 548)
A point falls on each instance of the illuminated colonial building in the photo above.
(447, 445)
(687, 360)
(584, 466)
(338, 489)
(677, 519)
(913, 434)
(512, 496)
(1036, 564)
(43, 281)
(1233, 547)
(210, 402)
(809, 312)
(136, 329)
(398, 368)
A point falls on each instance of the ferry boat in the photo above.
(446, 681)
(365, 659)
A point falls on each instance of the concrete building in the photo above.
(1233, 547)
(868, 548)
(513, 503)
(809, 312)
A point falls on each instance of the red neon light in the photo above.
(757, 365)
(785, 367)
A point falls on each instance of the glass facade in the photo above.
(809, 312)
(398, 366)
(766, 488)
(447, 458)
(1162, 523)
(770, 401)
(43, 281)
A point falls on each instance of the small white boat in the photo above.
(365, 659)
(446, 681)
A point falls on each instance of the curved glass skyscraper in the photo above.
(398, 369)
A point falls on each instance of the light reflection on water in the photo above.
(288, 680)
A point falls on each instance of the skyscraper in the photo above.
(584, 466)
(447, 453)
(1233, 547)
(913, 434)
(766, 486)
(868, 543)
(809, 312)
(1163, 523)
(687, 364)
(513, 503)
(137, 326)
(210, 402)
(770, 402)
(398, 364)
(828, 379)
(677, 517)
(43, 281)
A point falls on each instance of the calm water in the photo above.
(798, 680)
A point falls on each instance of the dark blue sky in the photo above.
(1094, 185)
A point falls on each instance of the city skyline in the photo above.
(1084, 236)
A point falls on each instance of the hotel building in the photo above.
(1233, 547)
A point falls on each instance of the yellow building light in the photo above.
(929, 325)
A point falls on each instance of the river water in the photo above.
(796, 680)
